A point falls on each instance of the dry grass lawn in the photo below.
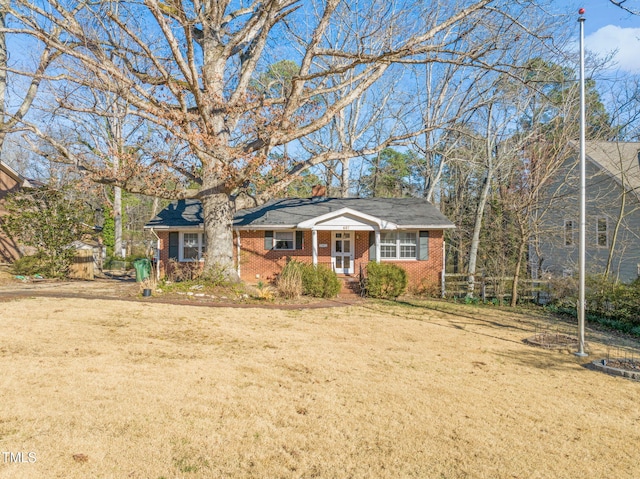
(108, 389)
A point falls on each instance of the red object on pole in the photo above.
(581, 11)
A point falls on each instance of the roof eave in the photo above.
(173, 227)
(250, 227)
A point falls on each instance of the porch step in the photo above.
(350, 287)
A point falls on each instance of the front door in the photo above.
(342, 252)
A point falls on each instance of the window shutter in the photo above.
(423, 246)
(372, 245)
(268, 240)
(174, 241)
(299, 239)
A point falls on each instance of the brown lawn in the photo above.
(110, 389)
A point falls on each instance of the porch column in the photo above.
(377, 246)
(314, 247)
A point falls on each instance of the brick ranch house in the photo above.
(343, 234)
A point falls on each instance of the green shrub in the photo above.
(320, 282)
(290, 280)
(385, 280)
(613, 300)
(109, 235)
(48, 221)
(610, 303)
(29, 265)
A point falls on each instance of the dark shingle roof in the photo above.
(292, 211)
(178, 214)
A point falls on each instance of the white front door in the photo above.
(342, 252)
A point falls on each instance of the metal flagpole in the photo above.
(583, 192)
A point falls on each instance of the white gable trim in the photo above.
(347, 217)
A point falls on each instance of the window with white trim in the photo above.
(568, 233)
(283, 240)
(193, 246)
(402, 245)
(602, 236)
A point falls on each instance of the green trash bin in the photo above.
(143, 269)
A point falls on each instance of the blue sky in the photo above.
(608, 29)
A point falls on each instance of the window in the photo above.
(568, 233)
(283, 240)
(601, 234)
(407, 242)
(192, 246)
(388, 246)
(401, 245)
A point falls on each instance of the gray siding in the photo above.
(604, 200)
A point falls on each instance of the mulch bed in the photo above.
(550, 340)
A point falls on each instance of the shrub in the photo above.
(29, 265)
(563, 291)
(385, 281)
(48, 221)
(290, 280)
(320, 281)
(608, 302)
(263, 291)
(613, 300)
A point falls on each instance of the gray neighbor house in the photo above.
(612, 215)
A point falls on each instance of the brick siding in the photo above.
(258, 264)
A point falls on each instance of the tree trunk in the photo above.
(482, 201)
(155, 207)
(475, 240)
(345, 178)
(4, 6)
(433, 179)
(218, 209)
(516, 274)
(376, 172)
(117, 221)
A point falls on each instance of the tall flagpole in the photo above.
(583, 193)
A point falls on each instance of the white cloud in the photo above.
(624, 41)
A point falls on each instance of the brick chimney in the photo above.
(318, 191)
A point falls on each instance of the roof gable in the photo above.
(619, 160)
(346, 217)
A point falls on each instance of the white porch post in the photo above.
(314, 246)
(377, 246)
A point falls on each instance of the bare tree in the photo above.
(627, 6)
(376, 120)
(10, 118)
(188, 68)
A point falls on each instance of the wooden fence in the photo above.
(489, 288)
